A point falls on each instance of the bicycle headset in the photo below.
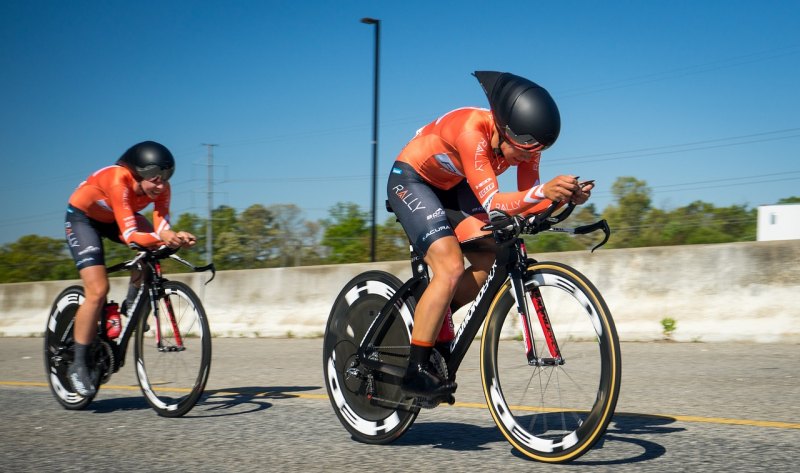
(524, 112)
(147, 160)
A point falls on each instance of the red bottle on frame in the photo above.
(113, 321)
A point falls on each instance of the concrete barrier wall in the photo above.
(724, 292)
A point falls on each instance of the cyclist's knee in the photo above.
(95, 283)
(454, 269)
(449, 269)
(96, 292)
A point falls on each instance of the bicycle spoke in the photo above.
(551, 409)
(173, 357)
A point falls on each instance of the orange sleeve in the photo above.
(122, 198)
(528, 181)
(161, 211)
(476, 156)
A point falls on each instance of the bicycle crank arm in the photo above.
(419, 403)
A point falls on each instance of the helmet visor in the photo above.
(523, 142)
(149, 173)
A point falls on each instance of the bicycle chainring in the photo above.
(438, 362)
(104, 360)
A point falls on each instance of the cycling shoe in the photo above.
(83, 381)
(421, 380)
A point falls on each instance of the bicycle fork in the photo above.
(154, 295)
(521, 296)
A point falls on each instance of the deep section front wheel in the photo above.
(554, 408)
(369, 403)
(58, 347)
(173, 351)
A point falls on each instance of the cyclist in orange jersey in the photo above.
(443, 188)
(106, 205)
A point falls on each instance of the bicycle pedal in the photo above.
(432, 402)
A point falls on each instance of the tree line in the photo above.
(279, 236)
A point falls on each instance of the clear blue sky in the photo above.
(698, 98)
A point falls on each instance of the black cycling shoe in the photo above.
(420, 380)
(83, 381)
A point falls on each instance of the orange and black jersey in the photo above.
(457, 146)
(109, 196)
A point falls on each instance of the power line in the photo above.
(690, 146)
(747, 180)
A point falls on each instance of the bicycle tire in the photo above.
(389, 413)
(552, 413)
(58, 348)
(173, 377)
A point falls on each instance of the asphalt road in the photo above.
(683, 407)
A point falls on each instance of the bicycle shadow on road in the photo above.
(243, 400)
(450, 436)
(628, 428)
(107, 406)
(625, 428)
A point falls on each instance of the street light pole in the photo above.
(377, 23)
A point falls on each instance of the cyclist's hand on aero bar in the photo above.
(177, 239)
(583, 193)
(189, 240)
(561, 188)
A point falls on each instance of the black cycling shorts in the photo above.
(84, 237)
(428, 213)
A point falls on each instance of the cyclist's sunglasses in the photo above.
(523, 142)
(151, 172)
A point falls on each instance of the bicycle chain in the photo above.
(438, 362)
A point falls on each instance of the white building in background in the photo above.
(778, 222)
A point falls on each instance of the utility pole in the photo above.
(210, 193)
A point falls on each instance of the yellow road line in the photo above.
(469, 405)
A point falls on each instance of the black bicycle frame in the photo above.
(511, 261)
(152, 285)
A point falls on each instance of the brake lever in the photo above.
(593, 227)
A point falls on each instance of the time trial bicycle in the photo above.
(172, 348)
(549, 356)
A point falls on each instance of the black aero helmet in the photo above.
(147, 160)
(524, 112)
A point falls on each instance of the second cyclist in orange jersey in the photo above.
(443, 187)
(109, 196)
(106, 206)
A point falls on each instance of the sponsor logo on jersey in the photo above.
(71, 238)
(509, 207)
(480, 155)
(413, 203)
(485, 190)
(483, 182)
(435, 231)
(438, 213)
(447, 164)
(89, 249)
(102, 203)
